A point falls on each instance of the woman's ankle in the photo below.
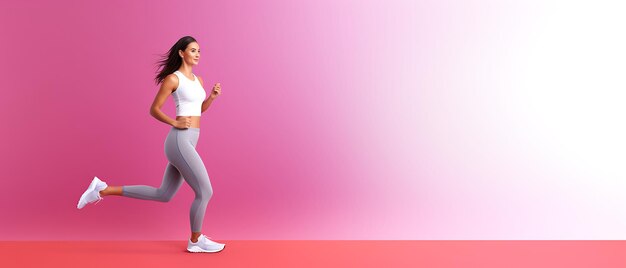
(104, 192)
(112, 190)
(194, 237)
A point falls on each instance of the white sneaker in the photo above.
(213, 242)
(92, 193)
(204, 244)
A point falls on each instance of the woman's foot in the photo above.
(204, 244)
(92, 194)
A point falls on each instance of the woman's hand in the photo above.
(183, 122)
(217, 89)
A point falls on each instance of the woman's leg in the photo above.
(201, 185)
(181, 152)
(172, 180)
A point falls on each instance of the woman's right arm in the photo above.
(167, 87)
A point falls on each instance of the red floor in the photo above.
(317, 253)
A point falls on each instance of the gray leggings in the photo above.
(184, 163)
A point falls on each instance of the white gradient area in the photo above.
(568, 95)
(519, 123)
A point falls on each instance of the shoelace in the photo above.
(207, 237)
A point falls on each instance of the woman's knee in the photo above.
(205, 193)
(164, 196)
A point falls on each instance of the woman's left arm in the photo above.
(214, 93)
(206, 103)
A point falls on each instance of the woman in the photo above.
(176, 78)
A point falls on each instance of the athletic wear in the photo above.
(188, 96)
(204, 244)
(184, 163)
(92, 194)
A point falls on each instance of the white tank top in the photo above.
(188, 96)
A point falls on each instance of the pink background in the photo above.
(337, 120)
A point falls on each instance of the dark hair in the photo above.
(171, 61)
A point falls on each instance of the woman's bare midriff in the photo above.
(195, 121)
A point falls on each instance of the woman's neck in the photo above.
(186, 70)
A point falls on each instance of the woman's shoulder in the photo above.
(173, 77)
(171, 80)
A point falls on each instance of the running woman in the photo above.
(184, 162)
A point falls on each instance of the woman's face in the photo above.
(191, 55)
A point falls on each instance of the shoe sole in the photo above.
(196, 249)
(91, 187)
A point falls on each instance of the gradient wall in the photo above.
(337, 120)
